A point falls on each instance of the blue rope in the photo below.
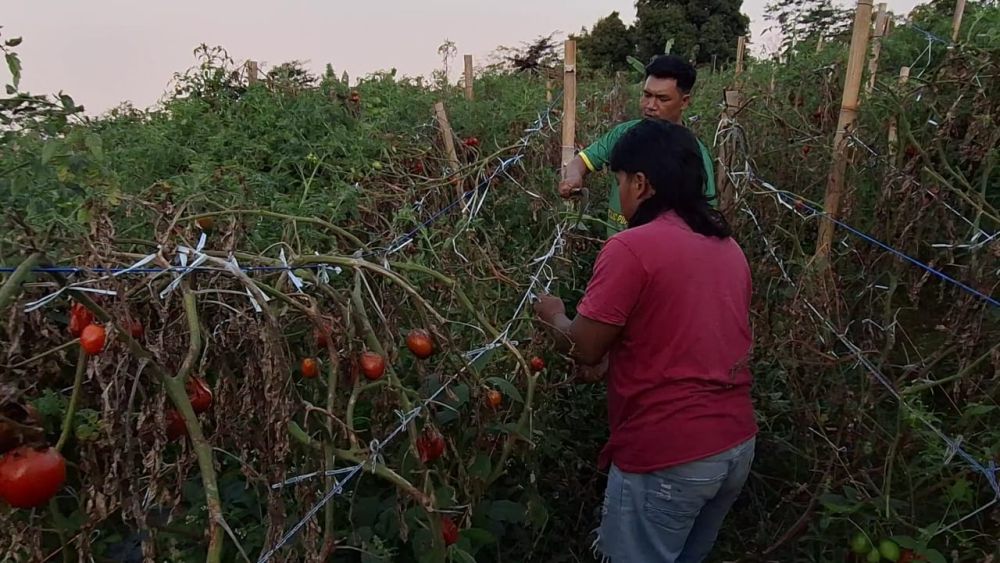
(801, 202)
(69, 270)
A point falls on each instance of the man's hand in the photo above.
(548, 308)
(572, 183)
(570, 187)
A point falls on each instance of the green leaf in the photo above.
(481, 466)
(506, 387)
(974, 411)
(49, 151)
(636, 64)
(478, 536)
(11, 90)
(14, 64)
(95, 145)
(836, 503)
(932, 555)
(459, 555)
(13, 42)
(481, 361)
(507, 511)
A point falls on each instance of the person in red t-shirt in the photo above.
(669, 304)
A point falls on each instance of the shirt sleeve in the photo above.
(597, 155)
(618, 280)
(710, 190)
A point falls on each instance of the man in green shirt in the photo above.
(665, 95)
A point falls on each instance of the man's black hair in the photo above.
(669, 156)
(672, 66)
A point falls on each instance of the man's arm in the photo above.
(591, 159)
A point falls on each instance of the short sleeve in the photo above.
(597, 155)
(618, 280)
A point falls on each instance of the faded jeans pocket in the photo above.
(675, 496)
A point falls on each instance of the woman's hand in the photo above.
(549, 308)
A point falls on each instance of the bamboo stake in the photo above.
(569, 106)
(880, 28)
(252, 71)
(904, 76)
(819, 44)
(848, 115)
(956, 22)
(468, 77)
(741, 46)
(548, 90)
(449, 144)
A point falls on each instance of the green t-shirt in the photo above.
(597, 155)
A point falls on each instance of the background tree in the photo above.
(607, 45)
(700, 29)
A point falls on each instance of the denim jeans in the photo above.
(672, 515)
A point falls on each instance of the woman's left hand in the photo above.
(548, 308)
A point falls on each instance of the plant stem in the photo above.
(10, 288)
(74, 400)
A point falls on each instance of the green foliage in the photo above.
(701, 31)
(802, 23)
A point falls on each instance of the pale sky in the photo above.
(105, 51)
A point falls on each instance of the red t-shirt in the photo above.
(679, 379)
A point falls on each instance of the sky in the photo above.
(103, 52)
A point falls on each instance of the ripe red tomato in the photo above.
(419, 342)
(449, 531)
(310, 368)
(199, 394)
(205, 223)
(79, 318)
(372, 365)
(537, 364)
(30, 477)
(430, 445)
(175, 425)
(418, 167)
(472, 142)
(494, 398)
(92, 339)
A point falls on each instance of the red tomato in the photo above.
(175, 425)
(430, 445)
(472, 142)
(79, 318)
(493, 398)
(199, 394)
(310, 368)
(419, 342)
(537, 364)
(92, 339)
(372, 365)
(449, 531)
(30, 477)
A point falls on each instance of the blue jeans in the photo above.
(672, 515)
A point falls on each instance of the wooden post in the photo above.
(904, 76)
(569, 106)
(741, 46)
(848, 115)
(956, 22)
(724, 188)
(449, 144)
(819, 44)
(548, 90)
(468, 77)
(252, 71)
(880, 27)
